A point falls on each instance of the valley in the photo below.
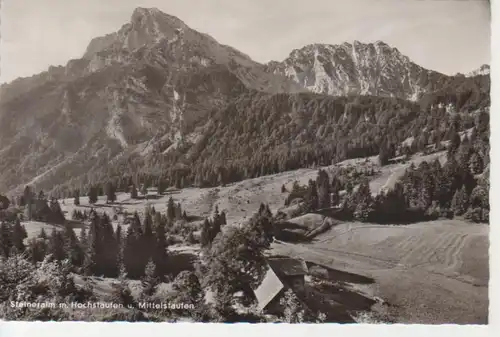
(421, 273)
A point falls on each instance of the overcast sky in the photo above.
(445, 35)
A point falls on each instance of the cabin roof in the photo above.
(271, 284)
(268, 289)
(288, 266)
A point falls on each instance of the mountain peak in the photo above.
(373, 68)
(153, 14)
(146, 11)
(147, 26)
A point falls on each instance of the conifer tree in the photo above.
(454, 144)
(178, 211)
(18, 236)
(56, 246)
(119, 246)
(171, 209)
(148, 240)
(57, 215)
(205, 239)
(133, 192)
(323, 183)
(41, 196)
(110, 192)
(5, 239)
(92, 263)
(311, 199)
(42, 234)
(150, 281)
(161, 186)
(72, 247)
(222, 218)
(93, 195)
(363, 202)
(29, 200)
(460, 201)
(76, 200)
(383, 155)
(215, 228)
(83, 239)
(160, 250)
(134, 261)
(108, 247)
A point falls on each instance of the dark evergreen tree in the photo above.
(171, 209)
(93, 195)
(148, 239)
(323, 183)
(311, 198)
(222, 218)
(29, 200)
(110, 192)
(178, 211)
(161, 186)
(56, 214)
(160, 250)
(92, 263)
(119, 246)
(454, 143)
(56, 246)
(364, 203)
(460, 201)
(5, 239)
(42, 234)
(83, 239)
(205, 239)
(37, 249)
(76, 200)
(133, 192)
(72, 247)
(133, 260)
(149, 281)
(18, 236)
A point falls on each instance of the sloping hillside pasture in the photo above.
(428, 272)
(240, 200)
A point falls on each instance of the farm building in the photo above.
(282, 274)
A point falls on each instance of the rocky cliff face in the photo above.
(483, 70)
(357, 69)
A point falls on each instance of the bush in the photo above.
(477, 214)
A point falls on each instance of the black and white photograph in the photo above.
(237, 161)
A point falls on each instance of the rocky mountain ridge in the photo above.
(357, 69)
(151, 91)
